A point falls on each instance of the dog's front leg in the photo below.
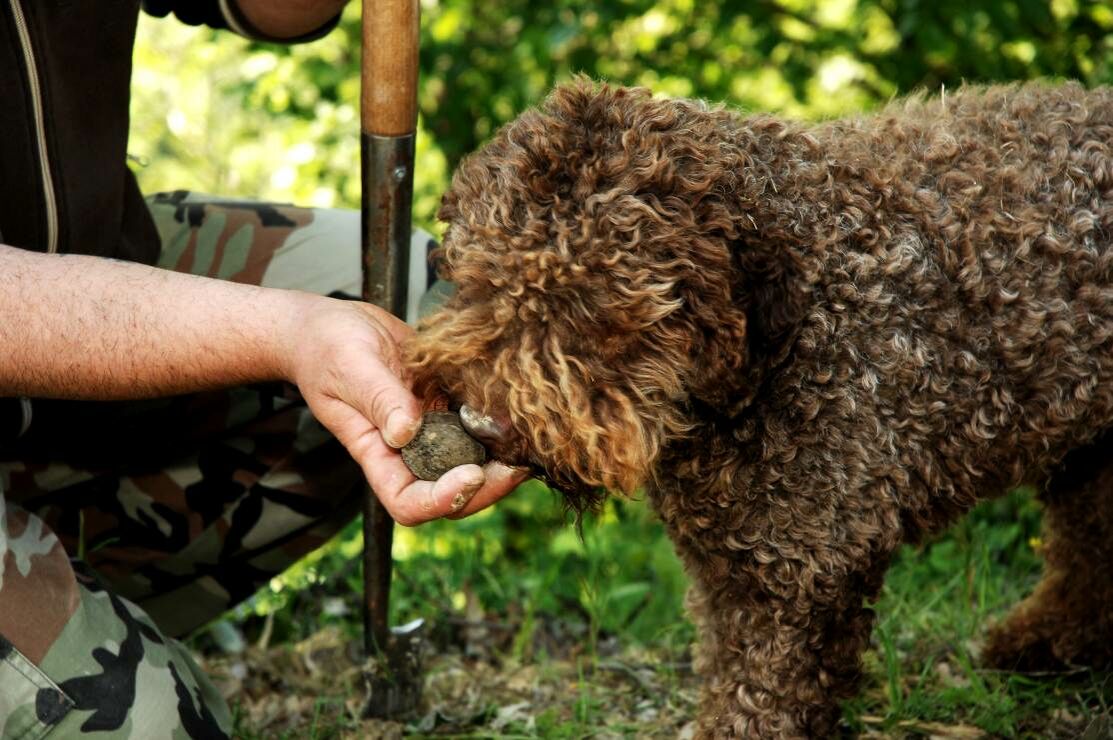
(780, 642)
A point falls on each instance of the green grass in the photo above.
(935, 607)
(596, 627)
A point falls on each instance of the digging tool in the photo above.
(388, 116)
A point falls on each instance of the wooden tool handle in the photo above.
(388, 104)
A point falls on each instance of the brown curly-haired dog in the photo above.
(811, 343)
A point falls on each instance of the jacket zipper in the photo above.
(40, 127)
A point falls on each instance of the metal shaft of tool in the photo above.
(388, 116)
(388, 171)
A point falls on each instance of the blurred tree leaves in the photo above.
(217, 113)
(484, 62)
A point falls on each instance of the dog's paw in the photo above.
(1010, 648)
(1030, 645)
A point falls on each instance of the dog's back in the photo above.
(968, 298)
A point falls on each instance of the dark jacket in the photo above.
(65, 69)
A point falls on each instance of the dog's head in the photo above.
(596, 293)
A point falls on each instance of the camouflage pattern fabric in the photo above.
(125, 525)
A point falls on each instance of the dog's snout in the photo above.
(484, 427)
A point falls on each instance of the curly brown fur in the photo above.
(810, 343)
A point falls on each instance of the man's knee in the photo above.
(75, 658)
(274, 245)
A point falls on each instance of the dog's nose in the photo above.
(484, 427)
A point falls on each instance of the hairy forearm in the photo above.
(286, 19)
(85, 327)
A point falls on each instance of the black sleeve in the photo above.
(224, 14)
(15, 418)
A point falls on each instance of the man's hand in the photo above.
(85, 327)
(345, 361)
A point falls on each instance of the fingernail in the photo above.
(400, 428)
(466, 494)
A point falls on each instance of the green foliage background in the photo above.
(215, 113)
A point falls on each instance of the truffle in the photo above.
(441, 444)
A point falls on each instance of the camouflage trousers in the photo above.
(125, 525)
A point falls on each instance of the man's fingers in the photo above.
(423, 501)
(501, 480)
(458, 487)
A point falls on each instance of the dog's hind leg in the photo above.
(1068, 619)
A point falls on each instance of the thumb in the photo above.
(391, 408)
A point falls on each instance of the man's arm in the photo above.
(85, 327)
(287, 19)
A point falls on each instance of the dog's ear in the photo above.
(589, 424)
